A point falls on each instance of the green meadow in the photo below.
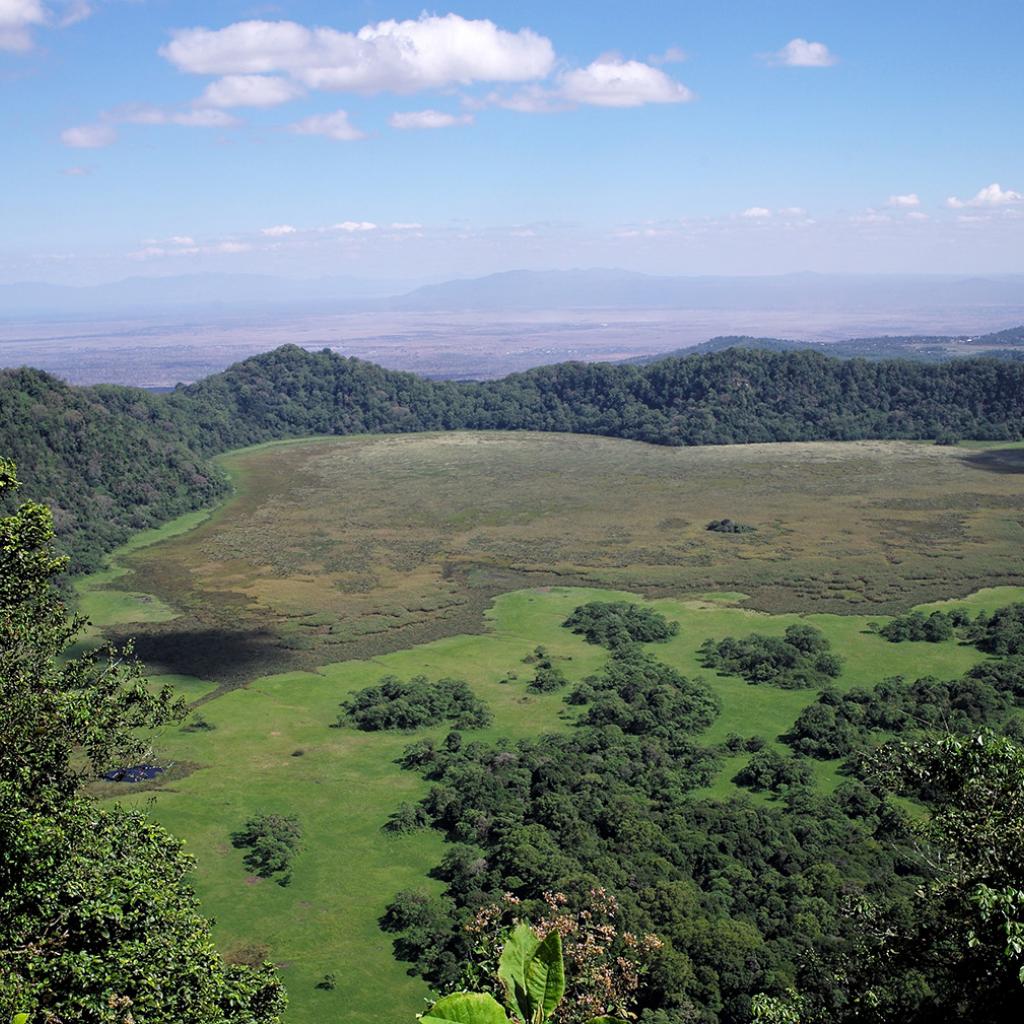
(465, 580)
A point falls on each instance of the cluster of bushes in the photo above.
(837, 725)
(615, 623)
(933, 628)
(800, 659)
(769, 770)
(729, 526)
(270, 842)
(644, 697)
(547, 677)
(393, 704)
(1002, 632)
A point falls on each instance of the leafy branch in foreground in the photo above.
(531, 978)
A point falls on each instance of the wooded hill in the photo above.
(110, 460)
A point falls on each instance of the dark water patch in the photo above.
(136, 773)
(998, 460)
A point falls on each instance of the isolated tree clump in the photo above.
(615, 623)
(800, 659)
(933, 628)
(97, 920)
(729, 526)
(271, 840)
(393, 704)
(1002, 632)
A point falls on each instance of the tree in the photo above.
(97, 919)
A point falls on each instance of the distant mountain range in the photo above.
(518, 290)
(620, 289)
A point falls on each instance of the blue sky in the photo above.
(379, 140)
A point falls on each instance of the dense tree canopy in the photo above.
(97, 920)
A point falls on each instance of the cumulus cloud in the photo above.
(799, 53)
(249, 91)
(756, 213)
(391, 56)
(19, 17)
(186, 240)
(611, 82)
(792, 211)
(355, 225)
(907, 201)
(428, 119)
(278, 230)
(89, 136)
(990, 195)
(334, 126)
(917, 215)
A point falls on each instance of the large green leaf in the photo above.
(20, 1018)
(517, 953)
(545, 977)
(466, 1008)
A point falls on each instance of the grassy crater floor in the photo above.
(339, 561)
(343, 548)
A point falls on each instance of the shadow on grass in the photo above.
(228, 657)
(998, 460)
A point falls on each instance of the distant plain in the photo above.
(163, 350)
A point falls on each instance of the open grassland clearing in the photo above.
(351, 547)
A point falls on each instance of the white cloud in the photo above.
(355, 225)
(335, 126)
(756, 213)
(186, 240)
(19, 17)
(249, 91)
(278, 230)
(104, 131)
(428, 119)
(390, 56)
(990, 195)
(907, 201)
(405, 226)
(917, 215)
(611, 82)
(799, 53)
(76, 172)
(89, 136)
(792, 211)
(230, 248)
